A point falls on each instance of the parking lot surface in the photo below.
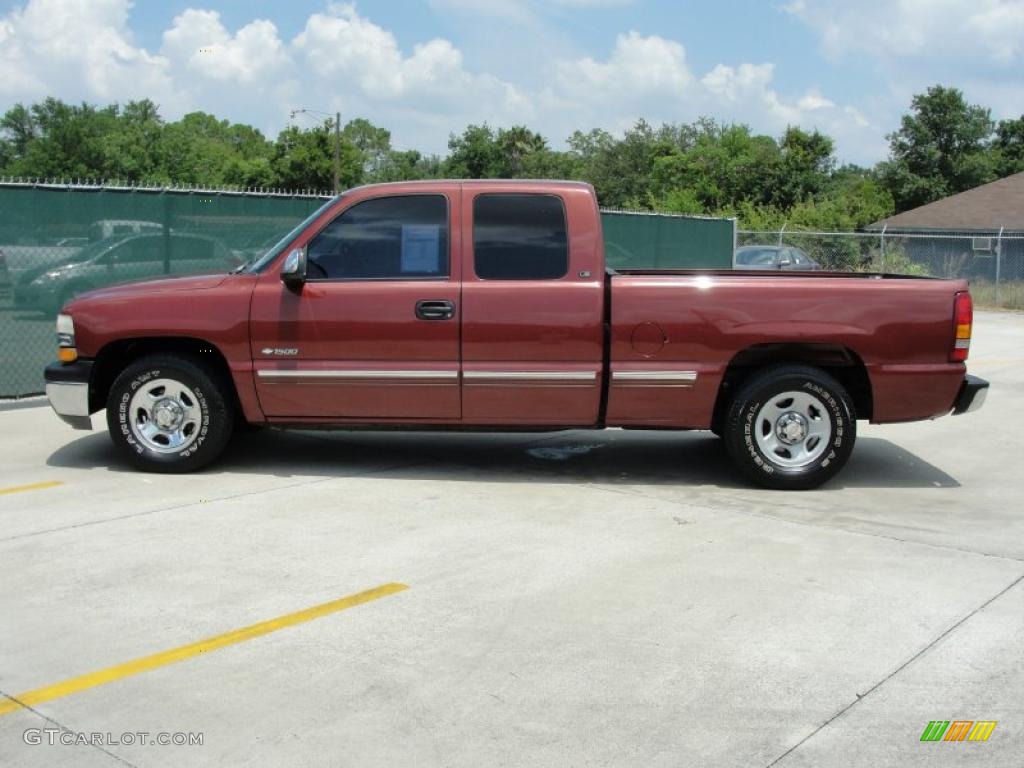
(583, 599)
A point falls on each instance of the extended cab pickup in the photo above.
(487, 305)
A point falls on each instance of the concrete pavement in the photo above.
(601, 599)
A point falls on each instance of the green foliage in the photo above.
(483, 153)
(1009, 147)
(943, 145)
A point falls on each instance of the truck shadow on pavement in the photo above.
(612, 457)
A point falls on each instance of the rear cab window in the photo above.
(519, 237)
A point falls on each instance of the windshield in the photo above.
(90, 252)
(755, 256)
(281, 244)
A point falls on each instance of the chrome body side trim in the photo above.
(531, 379)
(586, 376)
(654, 378)
(353, 375)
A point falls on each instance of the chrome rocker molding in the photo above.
(654, 378)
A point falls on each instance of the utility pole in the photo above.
(337, 151)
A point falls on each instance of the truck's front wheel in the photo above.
(791, 427)
(169, 414)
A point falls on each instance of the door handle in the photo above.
(431, 309)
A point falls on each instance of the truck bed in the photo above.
(897, 329)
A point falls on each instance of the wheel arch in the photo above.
(117, 355)
(840, 362)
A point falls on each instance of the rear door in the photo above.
(532, 300)
(373, 334)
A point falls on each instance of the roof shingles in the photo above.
(988, 208)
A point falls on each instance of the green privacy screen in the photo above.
(59, 240)
(651, 241)
(56, 241)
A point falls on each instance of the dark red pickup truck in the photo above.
(487, 305)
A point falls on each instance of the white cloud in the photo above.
(637, 65)
(198, 42)
(342, 60)
(430, 83)
(929, 30)
(1000, 29)
(649, 77)
(76, 49)
(813, 100)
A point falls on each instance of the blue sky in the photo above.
(424, 69)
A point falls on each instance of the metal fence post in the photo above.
(999, 262)
(167, 232)
(782, 231)
(881, 249)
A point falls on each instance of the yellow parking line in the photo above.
(134, 667)
(30, 487)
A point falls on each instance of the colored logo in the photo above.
(958, 730)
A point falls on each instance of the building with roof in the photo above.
(978, 233)
(986, 209)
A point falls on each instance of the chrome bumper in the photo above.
(67, 389)
(972, 395)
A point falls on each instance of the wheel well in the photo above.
(117, 355)
(840, 362)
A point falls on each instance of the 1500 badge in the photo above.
(280, 351)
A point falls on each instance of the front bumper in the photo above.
(972, 395)
(67, 389)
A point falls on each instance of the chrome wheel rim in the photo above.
(793, 429)
(165, 416)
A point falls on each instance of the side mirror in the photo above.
(785, 260)
(293, 273)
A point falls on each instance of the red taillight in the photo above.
(963, 318)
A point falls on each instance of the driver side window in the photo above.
(402, 237)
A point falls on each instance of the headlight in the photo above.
(66, 351)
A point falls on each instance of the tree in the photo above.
(1009, 147)
(305, 159)
(52, 139)
(805, 163)
(940, 149)
(372, 143)
(474, 154)
(515, 147)
(132, 151)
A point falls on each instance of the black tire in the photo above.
(204, 395)
(749, 429)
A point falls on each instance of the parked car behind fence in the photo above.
(117, 259)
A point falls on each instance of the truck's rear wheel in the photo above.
(169, 414)
(791, 427)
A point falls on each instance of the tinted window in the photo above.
(387, 237)
(140, 250)
(755, 256)
(519, 237)
(191, 249)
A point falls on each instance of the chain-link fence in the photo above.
(644, 240)
(993, 262)
(57, 240)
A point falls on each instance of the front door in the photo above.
(373, 334)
